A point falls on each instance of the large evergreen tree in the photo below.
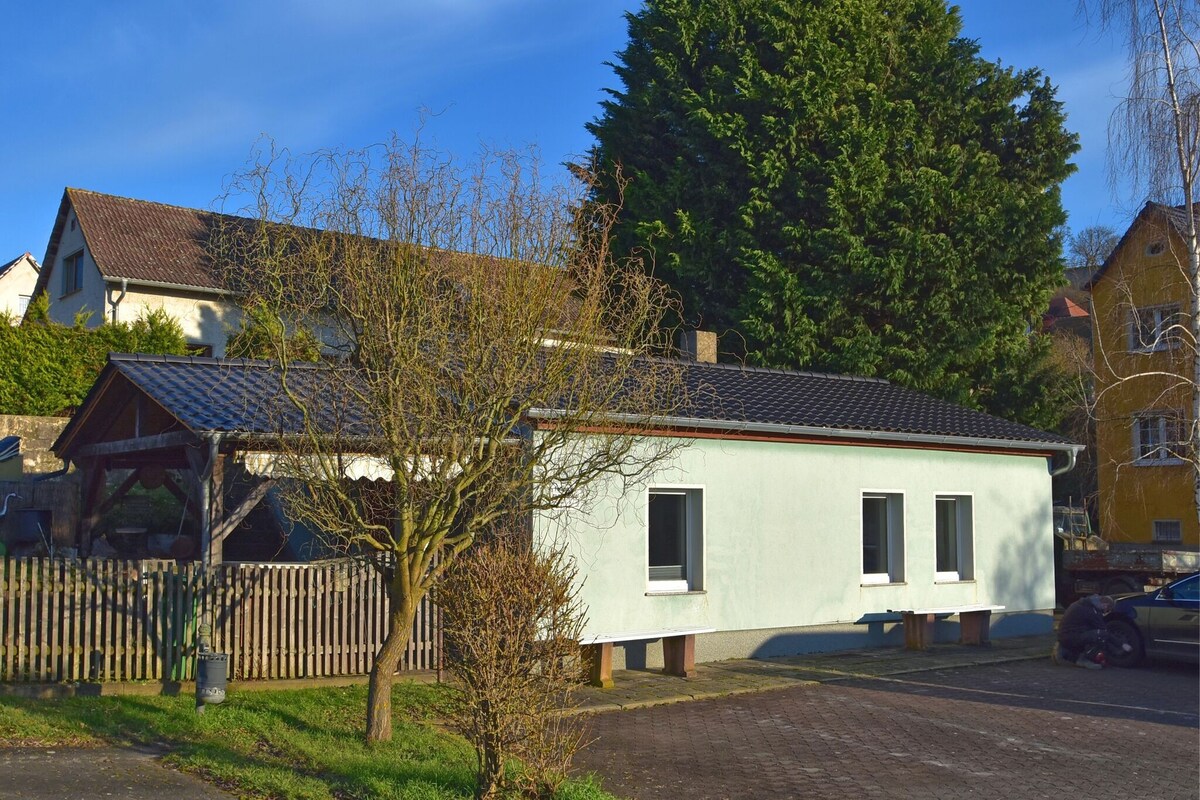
(844, 186)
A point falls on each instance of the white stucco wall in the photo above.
(782, 540)
(90, 297)
(204, 320)
(16, 282)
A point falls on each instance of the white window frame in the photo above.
(964, 522)
(1168, 430)
(1157, 322)
(693, 580)
(895, 536)
(1160, 524)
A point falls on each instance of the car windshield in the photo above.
(1186, 589)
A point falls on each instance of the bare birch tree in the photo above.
(486, 358)
(1154, 144)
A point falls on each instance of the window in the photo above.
(1156, 328)
(954, 538)
(676, 522)
(23, 304)
(1158, 437)
(1168, 530)
(883, 538)
(72, 273)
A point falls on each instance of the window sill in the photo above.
(673, 592)
(68, 294)
(946, 581)
(890, 583)
(1158, 462)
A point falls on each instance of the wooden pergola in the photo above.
(127, 425)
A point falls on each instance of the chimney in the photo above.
(698, 346)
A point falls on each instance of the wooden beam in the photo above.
(251, 500)
(189, 503)
(89, 516)
(159, 441)
(118, 493)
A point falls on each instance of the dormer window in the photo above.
(72, 273)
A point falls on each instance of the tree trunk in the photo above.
(387, 661)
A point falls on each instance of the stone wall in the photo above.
(37, 434)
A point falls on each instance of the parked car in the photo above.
(1164, 623)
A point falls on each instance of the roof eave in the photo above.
(734, 426)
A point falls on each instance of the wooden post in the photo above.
(600, 664)
(94, 473)
(679, 655)
(974, 628)
(918, 630)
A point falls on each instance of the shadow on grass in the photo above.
(302, 744)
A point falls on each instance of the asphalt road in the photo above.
(1017, 730)
(91, 773)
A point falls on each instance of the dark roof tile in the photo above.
(207, 394)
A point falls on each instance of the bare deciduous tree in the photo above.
(1154, 143)
(481, 345)
(1091, 246)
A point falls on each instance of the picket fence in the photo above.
(101, 620)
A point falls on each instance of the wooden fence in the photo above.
(98, 620)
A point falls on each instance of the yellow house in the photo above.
(1144, 382)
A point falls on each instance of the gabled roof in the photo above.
(208, 395)
(141, 241)
(23, 257)
(1175, 215)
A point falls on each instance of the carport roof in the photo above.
(242, 396)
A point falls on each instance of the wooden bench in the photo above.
(974, 624)
(679, 652)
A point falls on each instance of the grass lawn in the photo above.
(286, 744)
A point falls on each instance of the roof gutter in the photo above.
(1072, 455)
(832, 433)
(178, 287)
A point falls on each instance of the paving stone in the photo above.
(1009, 728)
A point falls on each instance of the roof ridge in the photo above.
(164, 358)
(140, 201)
(778, 371)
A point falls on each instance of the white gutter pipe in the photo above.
(830, 433)
(112, 314)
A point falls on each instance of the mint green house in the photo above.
(806, 506)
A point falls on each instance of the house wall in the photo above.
(17, 281)
(205, 319)
(90, 297)
(782, 546)
(1133, 494)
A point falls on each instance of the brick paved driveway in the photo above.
(1024, 729)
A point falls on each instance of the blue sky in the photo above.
(163, 100)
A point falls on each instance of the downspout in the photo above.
(117, 302)
(58, 473)
(1072, 455)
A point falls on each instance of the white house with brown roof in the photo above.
(17, 279)
(116, 258)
